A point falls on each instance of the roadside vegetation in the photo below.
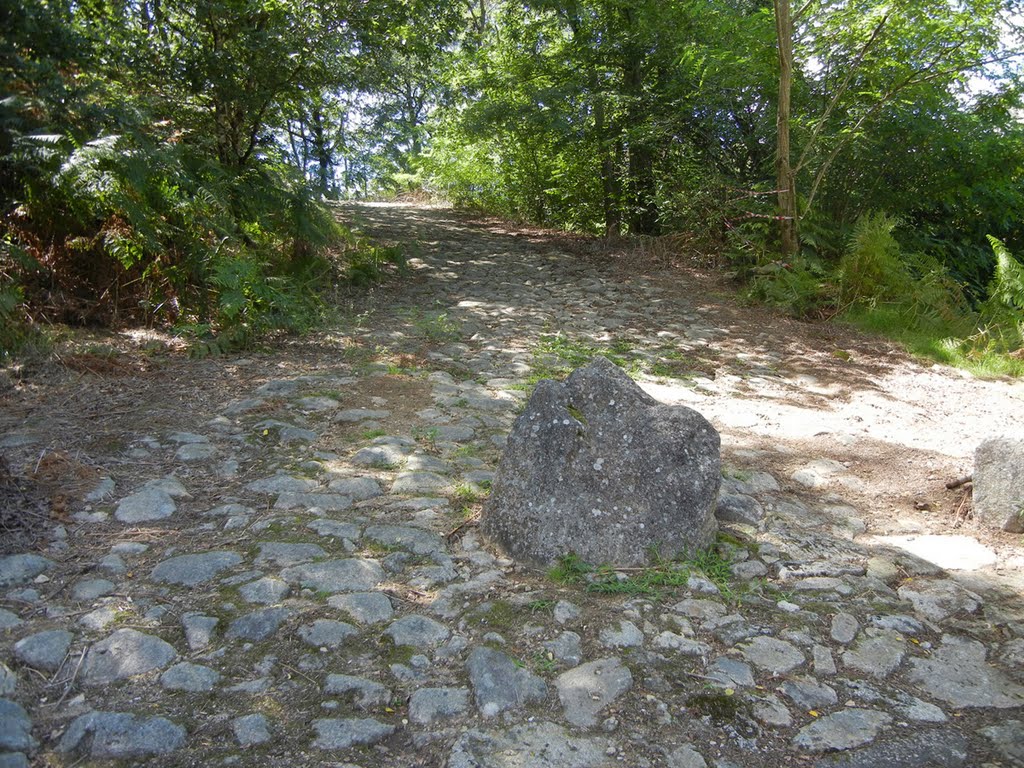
(174, 164)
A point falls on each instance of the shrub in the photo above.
(1003, 312)
(127, 228)
(801, 288)
(871, 270)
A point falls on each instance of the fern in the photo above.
(1007, 286)
(872, 270)
(800, 288)
(15, 329)
(1003, 311)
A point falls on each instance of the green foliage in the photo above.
(16, 331)
(434, 325)
(908, 296)
(569, 569)
(801, 288)
(1003, 312)
(934, 319)
(556, 355)
(141, 168)
(367, 263)
(12, 325)
(466, 493)
(648, 581)
(661, 575)
(544, 663)
(541, 606)
(144, 231)
(871, 271)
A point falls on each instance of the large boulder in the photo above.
(597, 467)
(998, 493)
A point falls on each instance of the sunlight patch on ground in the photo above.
(894, 411)
(954, 553)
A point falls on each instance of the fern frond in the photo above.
(1007, 285)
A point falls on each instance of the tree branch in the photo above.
(820, 124)
(802, 11)
(921, 76)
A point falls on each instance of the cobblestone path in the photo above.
(281, 569)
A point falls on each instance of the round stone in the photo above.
(417, 631)
(125, 653)
(189, 677)
(774, 656)
(326, 633)
(90, 589)
(145, 505)
(44, 650)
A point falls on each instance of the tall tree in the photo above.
(856, 59)
(785, 179)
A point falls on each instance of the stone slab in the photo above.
(998, 489)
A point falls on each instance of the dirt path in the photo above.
(270, 559)
(783, 393)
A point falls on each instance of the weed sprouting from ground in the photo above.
(544, 663)
(660, 576)
(434, 325)
(569, 569)
(467, 493)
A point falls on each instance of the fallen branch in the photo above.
(471, 523)
(953, 484)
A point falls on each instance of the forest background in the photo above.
(173, 162)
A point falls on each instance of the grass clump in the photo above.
(435, 325)
(544, 663)
(569, 569)
(498, 615)
(662, 575)
(720, 706)
(541, 606)
(367, 263)
(467, 493)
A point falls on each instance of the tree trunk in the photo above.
(644, 205)
(609, 196)
(322, 152)
(785, 180)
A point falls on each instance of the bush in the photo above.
(125, 228)
(1002, 314)
(16, 330)
(872, 270)
(801, 288)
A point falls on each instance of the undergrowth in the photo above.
(661, 575)
(909, 297)
(144, 230)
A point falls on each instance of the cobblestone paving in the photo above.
(293, 580)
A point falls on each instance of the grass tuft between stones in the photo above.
(570, 569)
(499, 615)
(720, 706)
